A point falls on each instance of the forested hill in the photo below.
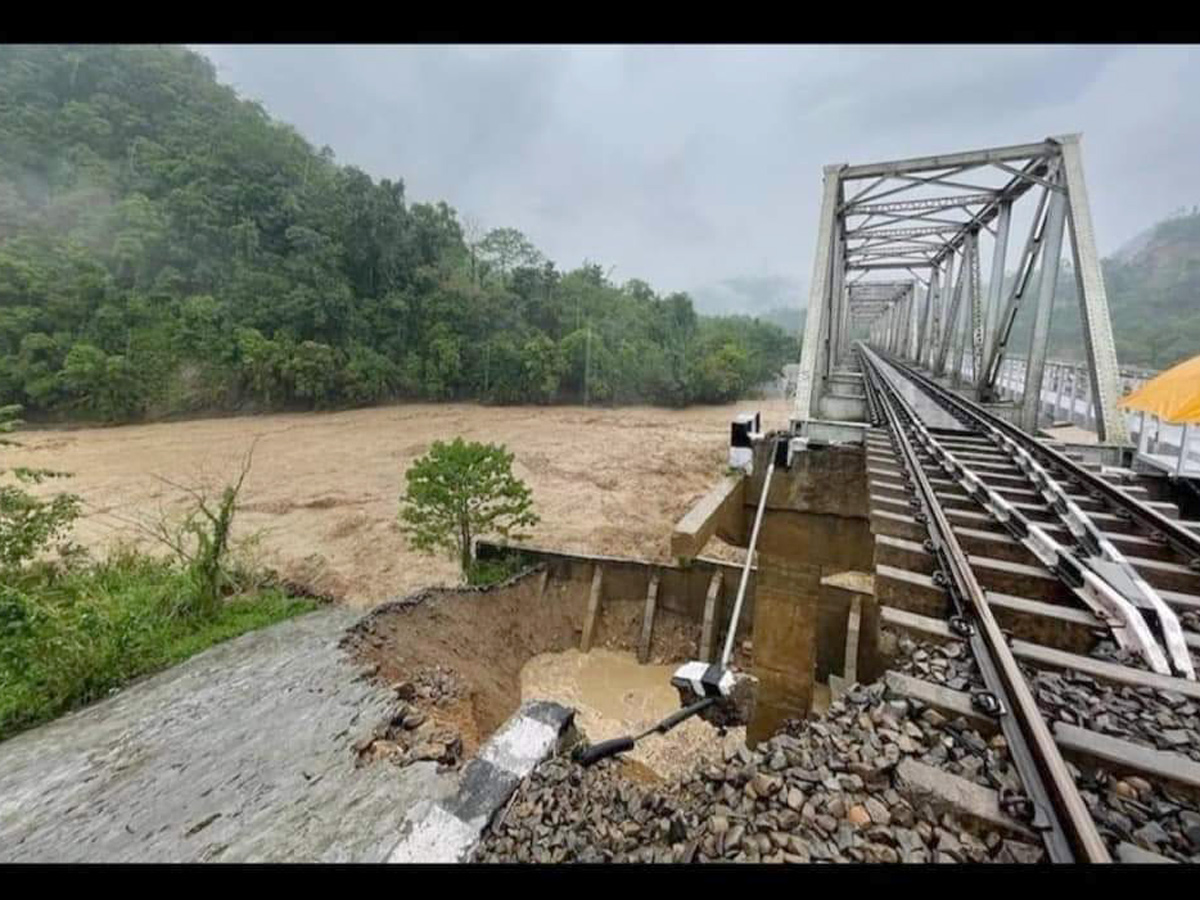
(1154, 294)
(1153, 288)
(167, 247)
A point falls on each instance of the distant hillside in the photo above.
(1153, 286)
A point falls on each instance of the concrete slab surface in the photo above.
(239, 754)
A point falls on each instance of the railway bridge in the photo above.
(928, 484)
(1034, 542)
(929, 489)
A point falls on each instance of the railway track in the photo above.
(1077, 595)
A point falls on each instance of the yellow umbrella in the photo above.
(1173, 396)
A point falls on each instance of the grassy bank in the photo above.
(71, 635)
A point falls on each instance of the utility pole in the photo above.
(587, 362)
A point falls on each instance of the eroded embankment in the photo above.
(454, 657)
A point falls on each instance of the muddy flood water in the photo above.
(613, 696)
(322, 497)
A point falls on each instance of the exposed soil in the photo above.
(484, 637)
(324, 487)
(619, 627)
(461, 661)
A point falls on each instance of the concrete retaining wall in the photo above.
(681, 590)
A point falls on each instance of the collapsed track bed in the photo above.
(838, 787)
(454, 657)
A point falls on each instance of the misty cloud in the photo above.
(688, 166)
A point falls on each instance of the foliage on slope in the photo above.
(167, 247)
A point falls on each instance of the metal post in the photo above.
(1048, 279)
(808, 378)
(844, 347)
(939, 314)
(837, 299)
(1061, 383)
(977, 310)
(1143, 433)
(727, 652)
(995, 284)
(897, 314)
(951, 319)
(1093, 301)
(925, 335)
(1183, 448)
(1071, 395)
(1028, 260)
(958, 358)
(914, 323)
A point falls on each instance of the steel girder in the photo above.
(932, 214)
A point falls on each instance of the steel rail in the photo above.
(1118, 612)
(1186, 542)
(1183, 541)
(1059, 812)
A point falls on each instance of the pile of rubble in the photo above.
(823, 790)
(1144, 715)
(1141, 812)
(952, 745)
(411, 734)
(950, 665)
(438, 685)
(1146, 814)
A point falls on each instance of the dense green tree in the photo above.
(103, 384)
(459, 491)
(28, 525)
(166, 246)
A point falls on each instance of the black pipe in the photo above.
(613, 746)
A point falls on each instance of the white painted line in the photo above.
(520, 745)
(436, 836)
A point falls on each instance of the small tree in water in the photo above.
(460, 490)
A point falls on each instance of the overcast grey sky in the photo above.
(685, 165)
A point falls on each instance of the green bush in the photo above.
(69, 636)
(71, 630)
(483, 572)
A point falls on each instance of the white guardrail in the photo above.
(1066, 396)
